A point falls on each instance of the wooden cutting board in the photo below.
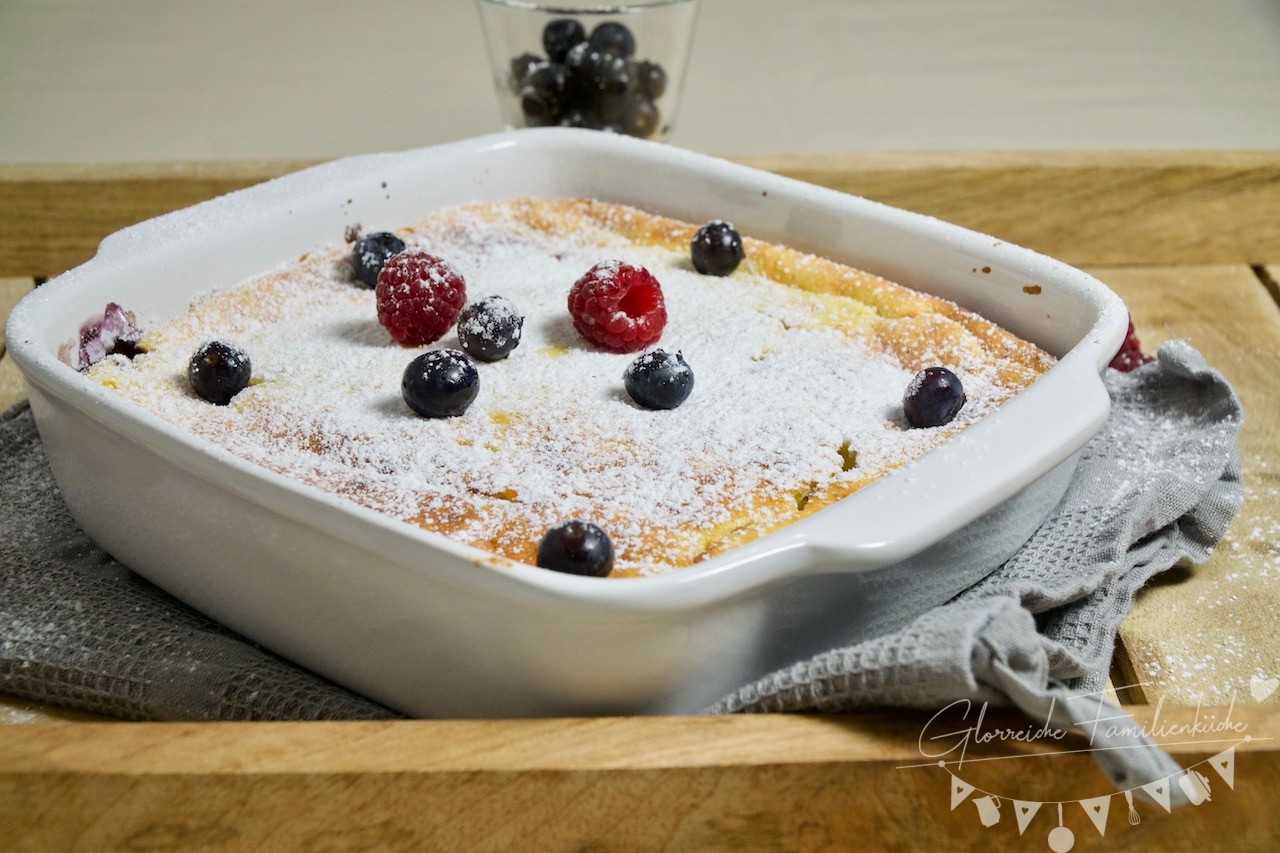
(1188, 239)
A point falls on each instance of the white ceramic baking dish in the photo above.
(432, 627)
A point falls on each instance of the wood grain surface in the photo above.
(1115, 208)
(1080, 207)
(12, 388)
(786, 783)
(11, 290)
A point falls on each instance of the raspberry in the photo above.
(1130, 357)
(419, 297)
(618, 307)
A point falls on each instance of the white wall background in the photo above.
(163, 79)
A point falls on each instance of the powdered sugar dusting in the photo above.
(784, 398)
(1229, 604)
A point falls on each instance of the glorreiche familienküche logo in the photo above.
(947, 738)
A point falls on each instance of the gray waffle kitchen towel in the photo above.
(1158, 485)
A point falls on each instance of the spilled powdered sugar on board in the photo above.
(1237, 662)
(781, 398)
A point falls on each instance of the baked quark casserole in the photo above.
(798, 366)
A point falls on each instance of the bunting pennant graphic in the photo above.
(1225, 763)
(1187, 784)
(1097, 808)
(960, 790)
(988, 810)
(1024, 812)
(1195, 786)
(1158, 792)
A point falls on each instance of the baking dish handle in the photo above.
(1021, 481)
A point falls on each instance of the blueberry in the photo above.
(559, 35)
(581, 62)
(577, 547)
(933, 397)
(370, 254)
(612, 75)
(614, 38)
(545, 94)
(218, 371)
(490, 328)
(716, 248)
(441, 383)
(612, 108)
(538, 111)
(651, 79)
(659, 380)
(640, 118)
(520, 68)
(581, 116)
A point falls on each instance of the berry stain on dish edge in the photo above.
(800, 398)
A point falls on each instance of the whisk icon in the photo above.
(1133, 813)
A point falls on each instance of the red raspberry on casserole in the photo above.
(1130, 357)
(419, 297)
(618, 307)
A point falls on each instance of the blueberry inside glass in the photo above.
(559, 35)
(589, 80)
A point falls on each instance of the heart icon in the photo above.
(1261, 687)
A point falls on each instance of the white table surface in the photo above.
(164, 79)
